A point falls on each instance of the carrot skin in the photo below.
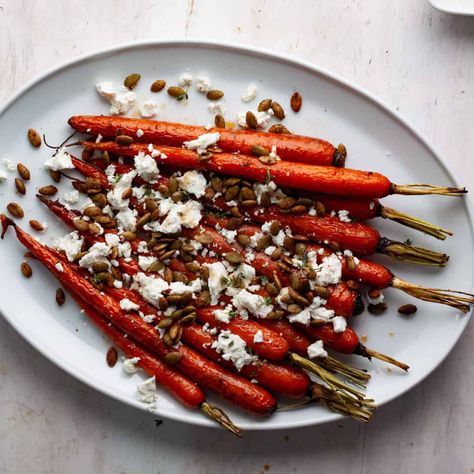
(322, 179)
(345, 342)
(290, 147)
(297, 340)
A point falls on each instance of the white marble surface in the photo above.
(416, 59)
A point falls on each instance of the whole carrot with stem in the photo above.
(290, 147)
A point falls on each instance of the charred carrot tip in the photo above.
(6, 222)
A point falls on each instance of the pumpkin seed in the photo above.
(294, 308)
(34, 138)
(304, 202)
(143, 219)
(168, 254)
(297, 298)
(23, 171)
(60, 296)
(265, 199)
(131, 80)
(162, 302)
(105, 157)
(36, 225)
(26, 270)
(235, 211)
(129, 235)
(278, 111)
(231, 193)
(334, 246)
(296, 101)
(20, 186)
(264, 105)
(165, 323)
(173, 358)
(284, 267)
(193, 267)
(55, 175)
(92, 211)
(267, 160)
(277, 281)
(188, 319)
(251, 120)
(111, 357)
(341, 148)
(353, 285)
(289, 243)
(15, 210)
(156, 266)
(164, 190)
(99, 267)
(49, 190)
(286, 202)
(300, 248)
(217, 184)
(176, 92)
(151, 204)
(215, 94)
(276, 314)
(219, 121)
(167, 340)
(158, 85)
(320, 208)
(377, 309)
(116, 273)
(178, 335)
(258, 150)
(81, 225)
(188, 248)
(263, 242)
(173, 184)
(272, 290)
(234, 258)
(276, 254)
(278, 128)
(407, 309)
(124, 140)
(351, 265)
(127, 193)
(243, 240)
(249, 203)
(231, 181)
(94, 228)
(203, 238)
(106, 221)
(155, 215)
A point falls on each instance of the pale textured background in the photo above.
(417, 60)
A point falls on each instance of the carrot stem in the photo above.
(218, 415)
(423, 189)
(412, 254)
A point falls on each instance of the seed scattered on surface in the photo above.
(127, 193)
(263, 242)
(351, 264)
(34, 138)
(320, 208)
(278, 128)
(173, 357)
(341, 148)
(234, 258)
(131, 80)
(158, 85)
(94, 228)
(267, 160)
(20, 186)
(81, 225)
(219, 121)
(259, 151)
(278, 111)
(243, 240)
(49, 190)
(26, 270)
(378, 308)
(251, 120)
(111, 357)
(105, 157)
(296, 101)
(92, 211)
(272, 290)
(129, 235)
(60, 296)
(124, 140)
(231, 193)
(215, 94)
(294, 308)
(55, 175)
(264, 105)
(175, 91)
(203, 238)
(36, 225)
(15, 210)
(23, 171)
(99, 267)
(407, 309)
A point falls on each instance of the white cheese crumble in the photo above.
(146, 167)
(128, 305)
(121, 101)
(61, 160)
(140, 133)
(146, 262)
(258, 337)
(343, 215)
(3, 176)
(112, 239)
(202, 83)
(339, 323)
(223, 315)
(217, 280)
(193, 182)
(129, 366)
(229, 235)
(9, 165)
(262, 118)
(148, 109)
(216, 108)
(233, 348)
(249, 94)
(146, 391)
(185, 79)
(201, 143)
(179, 214)
(72, 197)
(255, 304)
(59, 267)
(316, 350)
(97, 253)
(70, 244)
(377, 300)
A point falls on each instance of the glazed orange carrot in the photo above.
(289, 147)
(201, 370)
(322, 179)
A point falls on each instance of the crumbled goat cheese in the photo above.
(145, 262)
(140, 133)
(186, 214)
(216, 108)
(128, 305)
(229, 235)
(59, 267)
(9, 165)
(312, 211)
(203, 84)
(269, 250)
(258, 337)
(3, 176)
(121, 101)
(201, 143)
(150, 288)
(185, 79)
(223, 315)
(377, 300)
(70, 244)
(72, 197)
(97, 253)
(249, 94)
(148, 318)
(118, 284)
(216, 281)
(61, 160)
(329, 271)
(193, 182)
(124, 249)
(315, 310)
(339, 323)
(273, 153)
(148, 109)
(262, 118)
(316, 350)
(126, 219)
(146, 391)
(146, 167)
(260, 189)
(233, 348)
(112, 240)
(255, 304)
(130, 365)
(343, 216)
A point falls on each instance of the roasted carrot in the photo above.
(201, 370)
(290, 147)
(322, 179)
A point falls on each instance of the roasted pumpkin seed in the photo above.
(131, 80)
(173, 358)
(219, 121)
(407, 309)
(15, 210)
(251, 120)
(49, 190)
(55, 175)
(60, 296)
(26, 270)
(215, 94)
(34, 138)
(278, 111)
(234, 258)
(158, 85)
(296, 101)
(20, 186)
(259, 151)
(23, 171)
(36, 225)
(278, 128)
(264, 105)
(124, 140)
(176, 92)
